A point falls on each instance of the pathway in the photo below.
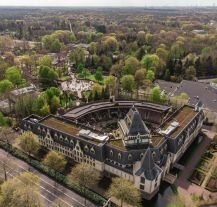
(76, 85)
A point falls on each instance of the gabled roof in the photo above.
(136, 126)
(148, 167)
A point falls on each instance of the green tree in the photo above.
(80, 68)
(28, 142)
(55, 104)
(77, 56)
(55, 161)
(150, 61)
(13, 74)
(130, 66)
(23, 106)
(128, 83)
(98, 75)
(190, 73)
(21, 191)
(110, 82)
(45, 110)
(85, 176)
(5, 86)
(47, 75)
(156, 94)
(3, 120)
(125, 191)
(46, 60)
(55, 46)
(150, 75)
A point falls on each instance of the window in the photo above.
(141, 155)
(141, 187)
(111, 153)
(86, 149)
(154, 154)
(66, 140)
(92, 150)
(129, 157)
(119, 156)
(142, 180)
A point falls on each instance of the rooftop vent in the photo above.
(93, 136)
(170, 128)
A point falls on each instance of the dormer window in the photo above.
(66, 140)
(111, 153)
(71, 142)
(130, 157)
(119, 156)
(154, 154)
(92, 150)
(141, 155)
(86, 149)
(55, 136)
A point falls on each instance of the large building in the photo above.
(138, 141)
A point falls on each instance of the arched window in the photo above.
(92, 150)
(141, 155)
(154, 154)
(66, 140)
(119, 156)
(86, 149)
(130, 157)
(111, 153)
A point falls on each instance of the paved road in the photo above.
(52, 194)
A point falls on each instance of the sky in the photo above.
(113, 3)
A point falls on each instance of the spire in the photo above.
(148, 166)
(136, 126)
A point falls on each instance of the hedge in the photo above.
(57, 176)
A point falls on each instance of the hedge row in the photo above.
(58, 177)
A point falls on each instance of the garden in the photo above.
(205, 173)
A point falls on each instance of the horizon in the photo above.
(111, 3)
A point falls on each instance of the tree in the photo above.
(130, 66)
(28, 142)
(46, 60)
(190, 73)
(141, 38)
(156, 94)
(51, 43)
(5, 86)
(110, 82)
(23, 106)
(97, 90)
(85, 176)
(55, 46)
(98, 75)
(80, 68)
(128, 83)
(77, 56)
(150, 61)
(47, 75)
(55, 161)
(124, 191)
(55, 104)
(13, 74)
(21, 191)
(150, 75)
(45, 110)
(5, 163)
